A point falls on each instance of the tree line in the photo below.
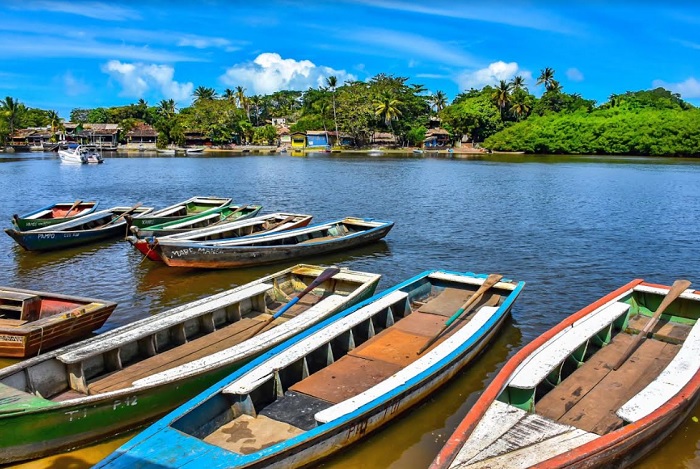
(505, 117)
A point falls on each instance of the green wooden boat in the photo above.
(97, 226)
(216, 216)
(131, 375)
(53, 214)
(192, 206)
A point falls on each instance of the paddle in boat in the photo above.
(32, 322)
(601, 389)
(330, 386)
(197, 205)
(218, 216)
(53, 214)
(126, 377)
(227, 231)
(312, 240)
(87, 229)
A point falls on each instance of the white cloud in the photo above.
(688, 89)
(269, 72)
(74, 86)
(574, 74)
(491, 75)
(202, 42)
(138, 78)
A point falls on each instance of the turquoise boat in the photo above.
(129, 376)
(212, 217)
(193, 206)
(97, 226)
(53, 214)
(332, 385)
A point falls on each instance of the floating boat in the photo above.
(313, 240)
(193, 206)
(87, 229)
(166, 151)
(218, 216)
(81, 154)
(53, 214)
(32, 322)
(126, 377)
(191, 151)
(594, 391)
(273, 223)
(324, 389)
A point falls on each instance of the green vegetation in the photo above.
(507, 117)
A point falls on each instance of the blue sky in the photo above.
(62, 55)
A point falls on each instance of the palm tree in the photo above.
(438, 101)
(55, 123)
(502, 95)
(520, 108)
(11, 109)
(386, 106)
(229, 95)
(166, 108)
(332, 82)
(518, 83)
(546, 78)
(242, 101)
(554, 86)
(203, 93)
(256, 101)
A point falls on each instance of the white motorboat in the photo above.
(81, 154)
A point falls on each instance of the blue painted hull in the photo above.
(169, 442)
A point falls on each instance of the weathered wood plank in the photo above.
(667, 331)
(447, 302)
(246, 434)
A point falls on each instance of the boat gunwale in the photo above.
(601, 444)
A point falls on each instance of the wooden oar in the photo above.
(127, 212)
(325, 275)
(72, 207)
(678, 287)
(238, 210)
(490, 281)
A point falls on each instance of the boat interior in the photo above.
(17, 308)
(116, 359)
(356, 358)
(571, 379)
(62, 210)
(245, 228)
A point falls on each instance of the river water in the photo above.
(572, 228)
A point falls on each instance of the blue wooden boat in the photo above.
(262, 249)
(331, 385)
(53, 214)
(98, 226)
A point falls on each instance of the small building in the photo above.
(436, 138)
(383, 139)
(197, 139)
(298, 140)
(283, 136)
(142, 136)
(279, 121)
(103, 136)
(317, 139)
(341, 139)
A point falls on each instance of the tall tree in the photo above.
(386, 106)
(229, 94)
(55, 124)
(203, 93)
(502, 95)
(12, 112)
(518, 83)
(332, 82)
(438, 101)
(166, 108)
(242, 100)
(546, 78)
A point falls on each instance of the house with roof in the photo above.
(436, 138)
(142, 137)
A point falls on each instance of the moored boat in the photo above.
(265, 224)
(53, 214)
(324, 389)
(32, 321)
(262, 249)
(218, 216)
(594, 391)
(87, 229)
(80, 154)
(193, 206)
(128, 376)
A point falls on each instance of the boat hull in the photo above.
(193, 206)
(58, 211)
(192, 222)
(225, 257)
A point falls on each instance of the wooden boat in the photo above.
(126, 377)
(53, 214)
(273, 223)
(193, 206)
(327, 388)
(32, 321)
(191, 151)
(217, 216)
(575, 397)
(97, 226)
(313, 240)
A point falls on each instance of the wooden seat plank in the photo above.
(596, 411)
(393, 346)
(574, 387)
(664, 330)
(193, 350)
(345, 378)
(447, 302)
(419, 323)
